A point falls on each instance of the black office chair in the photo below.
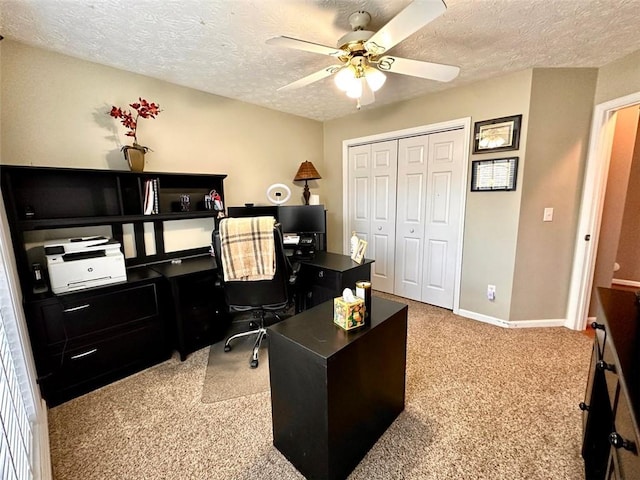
(273, 296)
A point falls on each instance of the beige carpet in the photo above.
(229, 374)
(483, 402)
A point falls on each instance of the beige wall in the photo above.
(558, 137)
(54, 113)
(629, 246)
(491, 218)
(618, 78)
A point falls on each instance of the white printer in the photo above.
(83, 262)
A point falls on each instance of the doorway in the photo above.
(593, 193)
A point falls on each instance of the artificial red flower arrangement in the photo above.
(143, 109)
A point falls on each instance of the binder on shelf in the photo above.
(151, 197)
(156, 204)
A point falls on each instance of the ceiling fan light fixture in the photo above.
(355, 89)
(345, 79)
(375, 78)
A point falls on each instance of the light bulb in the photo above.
(345, 79)
(375, 78)
(355, 89)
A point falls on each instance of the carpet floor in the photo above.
(482, 402)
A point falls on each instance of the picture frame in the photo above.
(498, 174)
(358, 254)
(496, 135)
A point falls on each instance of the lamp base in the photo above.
(306, 193)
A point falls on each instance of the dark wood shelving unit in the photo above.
(91, 337)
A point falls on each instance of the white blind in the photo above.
(16, 435)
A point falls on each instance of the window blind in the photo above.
(16, 432)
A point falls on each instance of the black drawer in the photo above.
(73, 317)
(323, 277)
(625, 457)
(608, 364)
(98, 363)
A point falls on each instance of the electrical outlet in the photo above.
(491, 292)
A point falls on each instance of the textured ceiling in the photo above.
(218, 46)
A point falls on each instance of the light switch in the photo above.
(548, 214)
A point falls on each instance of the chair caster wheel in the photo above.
(227, 348)
(254, 364)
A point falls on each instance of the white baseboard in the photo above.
(626, 283)
(43, 463)
(513, 323)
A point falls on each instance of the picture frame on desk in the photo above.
(358, 255)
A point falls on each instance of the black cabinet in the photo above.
(611, 407)
(333, 394)
(326, 275)
(200, 313)
(88, 338)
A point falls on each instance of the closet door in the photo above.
(383, 216)
(412, 184)
(442, 217)
(372, 192)
(359, 191)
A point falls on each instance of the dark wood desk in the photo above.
(326, 275)
(200, 312)
(333, 392)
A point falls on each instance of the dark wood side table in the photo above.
(324, 276)
(333, 392)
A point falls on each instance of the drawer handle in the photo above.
(73, 309)
(80, 355)
(583, 406)
(379, 229)
(411, 231)
(602, 365)
(320, 274)
(597, 326)
(616, 441)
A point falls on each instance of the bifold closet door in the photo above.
(445, 188)
(430, 172)
(372, 192)
(412, 185)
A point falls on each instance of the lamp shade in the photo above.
(307, 172)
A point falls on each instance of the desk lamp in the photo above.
(306, 172)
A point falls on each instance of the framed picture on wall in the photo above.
(499, 174)
(497, 134)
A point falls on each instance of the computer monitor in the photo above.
(256, 211)
(302, 218)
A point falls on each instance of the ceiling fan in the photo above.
(361, 53)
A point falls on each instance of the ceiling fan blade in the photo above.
(415, 16)
(289, 42)
(417, 68)
(314, 77)
(367, 97)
